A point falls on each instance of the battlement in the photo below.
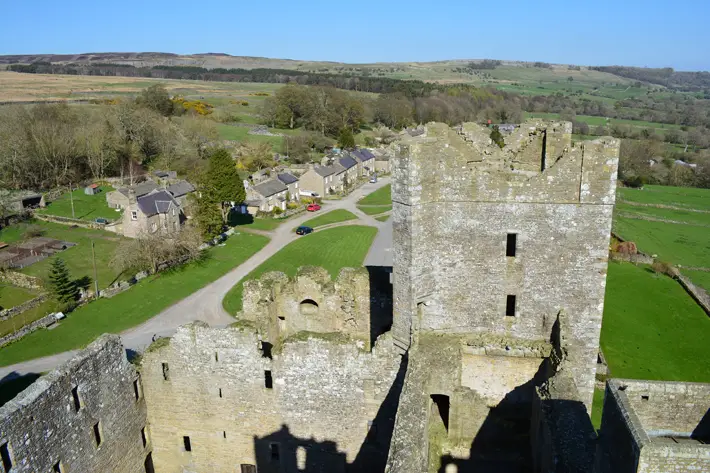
(539, 163)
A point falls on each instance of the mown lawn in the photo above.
(77, 258)
(27, 317)
(699, 278)
(133, 307)
(687, 197)
(334, 216)
(383, 218)
(257, 223)
(382, 196)
(86, 207)
(688, 216)
(374, 209)
(652, 329)
(332, 249)
(10, 296)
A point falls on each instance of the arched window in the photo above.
(308, 307)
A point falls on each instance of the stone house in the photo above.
(119, 199)
(179, 190)
(352, 170)
(382, 162)
(291, 182)
(157, 212)
(323, 180)
(268, 194)
(365, 161)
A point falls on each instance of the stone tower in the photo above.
(499, 254)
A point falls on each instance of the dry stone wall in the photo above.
(83, 417)
(317, 400)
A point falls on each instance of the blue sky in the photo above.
(650, 33)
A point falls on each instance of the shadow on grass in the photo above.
(13, 384)
(234, 219)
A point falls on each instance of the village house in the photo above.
(268, 195)
(156, 212)
(352, 171)
(291, 182)
(119, 199)
(382, 162)
(323, 180)
(179, 190)
(365, 161)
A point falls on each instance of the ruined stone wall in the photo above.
(48, 424)
(324, 392)
(311, 301)
(457, 197)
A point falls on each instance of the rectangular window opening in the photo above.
(220, 392)
(440, 408)
(5, 455)
(137, 389)
(76, 398)
(144, 439)
(166, 371)
(645, 397)
(224, 433)
(268, 380)
(511, 243)
(186, 443)
(274, 449)
(97, 433)
(216, 357)
(510, 306)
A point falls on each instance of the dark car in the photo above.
(302, 230)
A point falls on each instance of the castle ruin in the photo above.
(481, 356)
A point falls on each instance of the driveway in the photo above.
(206, 303)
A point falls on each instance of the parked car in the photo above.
(373, 179)
(313, 207)
(308, 193)
(303, 230)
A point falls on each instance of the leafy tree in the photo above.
(63, 288)
(346, 140)
(497, 137)
(222, 183)
(157, 99)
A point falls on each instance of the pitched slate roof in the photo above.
(347, 162)
(270, 187)
(156, 203)
(140, 189)
(287, 178)
(180, 188)
(325, 171)
(362, 154)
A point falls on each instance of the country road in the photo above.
(206, 303)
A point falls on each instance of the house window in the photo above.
(268, 380)
(510, 305)
(186, 443)
(77, 400)
(511, 244)
(134, 215)
(97, 433)
(5, 455)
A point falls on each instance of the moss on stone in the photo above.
(330, 337)
(244, 324)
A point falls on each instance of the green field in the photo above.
(382, 196)
(332, 249)
(382, 218)
(10, 296)
(86, 207)
(334, 216)
(688, 216)
(686, 197)
(78, 258)
(27, 317)
(240, 133)
(135, 306)
(652, 329)
(699, 278)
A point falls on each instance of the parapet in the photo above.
(650, 426)
(539, 163)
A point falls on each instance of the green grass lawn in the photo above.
(10, 296)
(687, 197)
(334, 216)
(382, 218)
(77, 258)
(332, 249)
(674, 243)
(699, 278)
(374, 209)
(652, 329)
(688, 216)
(597, 408)
(27, 317)
(86, 207)
(382, 196)
(256, 223)
(138, 304)
(241, 133)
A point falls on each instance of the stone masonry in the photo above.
(86, 416)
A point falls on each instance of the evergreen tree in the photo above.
(63, 288)
(222, 183)
(346, 140)
(209, 218)
(497, 137)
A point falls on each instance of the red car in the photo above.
(313, 207)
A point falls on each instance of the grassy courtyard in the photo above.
(133, 307)
(86, 207)
(332, 249)
(334, 216)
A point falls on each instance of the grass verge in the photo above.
(334, 216)
(375, 209)
(86, 207)
(382, 196)
(333, 249)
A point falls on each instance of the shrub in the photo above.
(661, 267)
(635, 182)
(277, 211)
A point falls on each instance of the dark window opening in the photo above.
(268, 380)
(266, 348)
(216, 357)
(224, 433)
(144, 439)
(511, 243)
(57, 468)
(97, 433)
(308, 307)
(645, 398)
(274, 449)
(247, 468)
(166, 371)
(5, 455)
(149, 464)
(544, 151)
(440, 406)
(137, 389)
(510, 306)
(186, 443)
(77, 400)
(220, 392)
